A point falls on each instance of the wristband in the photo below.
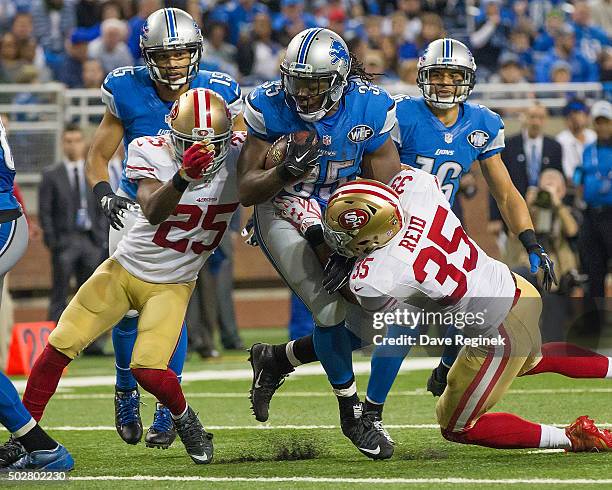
(179, 183)
(314, 235)
(102, 189)
(283, 173)
(529, 240)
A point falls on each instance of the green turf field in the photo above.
(302, 444)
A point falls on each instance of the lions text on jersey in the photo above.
(432, 257)
(175, 250)
(446, 152)
(130, 95)
(360, 125)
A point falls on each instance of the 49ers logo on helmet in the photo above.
(174, 111)
(353, 219)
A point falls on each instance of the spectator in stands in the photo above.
(336, 19)
(373, 30)
(53, 22)
(561, 72)
(88, 13)
(590, 39)
(145, 8)
(238, 16)
(432, 29)
(510, 70)
(77, 48)
(219, 55)
(29, 50)
(526, 156)
(291, 20)
(92, 74)
(595, 180)
(489, 38)
(74, 227)
(10, 64)
(390, 58)
(545, 40)
(408, 71)
(110, 48)
(374, 63)
(257, 53)
(408, 30)
(576, 136)
(565, 50)
(520, 45)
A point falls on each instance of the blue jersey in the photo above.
(595, 174)
(130, 95)
(361, 124)
(446, 152)
(7, 173)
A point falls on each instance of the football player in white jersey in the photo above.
(415, 259)
(187, 194)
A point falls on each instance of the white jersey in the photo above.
(175, 250)
(432, 263)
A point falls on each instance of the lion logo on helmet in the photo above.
(338, 53)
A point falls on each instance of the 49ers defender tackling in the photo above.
(415, 256)
(187, 194)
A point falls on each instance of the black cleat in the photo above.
(366, 432)
(162, 433)
(197, 442)
(10, 452)
(127, 415)
(267, 378)
(436, 384)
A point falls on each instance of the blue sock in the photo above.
(13, 415)
(450, 352)
(124, 338)
(177, 361)
(333, 346)
(301, 322)
(386, 362)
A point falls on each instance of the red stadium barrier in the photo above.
(27, 342)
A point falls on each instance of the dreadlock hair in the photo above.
(357, 70)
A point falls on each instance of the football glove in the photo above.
(538, 259)
(196, 160)
(336, 272)
(114, 206)
(301, 213)
(248, 233)
(301, 158)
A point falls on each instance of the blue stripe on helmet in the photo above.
(306, 44)
(171, 22)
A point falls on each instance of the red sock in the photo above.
(164, 385)
(572, 361)
(43, 380)
(500, 431)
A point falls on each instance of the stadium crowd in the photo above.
(78, 41)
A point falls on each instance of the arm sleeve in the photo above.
(385, 129)
(107, 95)
(498, 142)
(138, 166)
(255, 120)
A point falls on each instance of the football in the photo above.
(278, 150)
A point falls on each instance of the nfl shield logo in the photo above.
(327, 140)
(448, 138)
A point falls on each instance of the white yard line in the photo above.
(297, 479)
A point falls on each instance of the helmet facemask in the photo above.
(461, 90)
(181, 142)
(320, 92)
(159, 73)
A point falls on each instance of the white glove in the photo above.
(301, 213)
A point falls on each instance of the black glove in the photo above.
(301, 157)
(248, 233)
(112, 204)
(336, 272)
(538, 258)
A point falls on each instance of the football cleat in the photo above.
(58, 459)
(586, 436)
(11, 451)
(366, 432)
(162, 433)
(267, 378)
(127, 415)
(435, 384)
(197, 442)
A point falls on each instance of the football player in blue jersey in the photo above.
(29, 447)
(443, 134)
(323, 90)
(137, 101)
